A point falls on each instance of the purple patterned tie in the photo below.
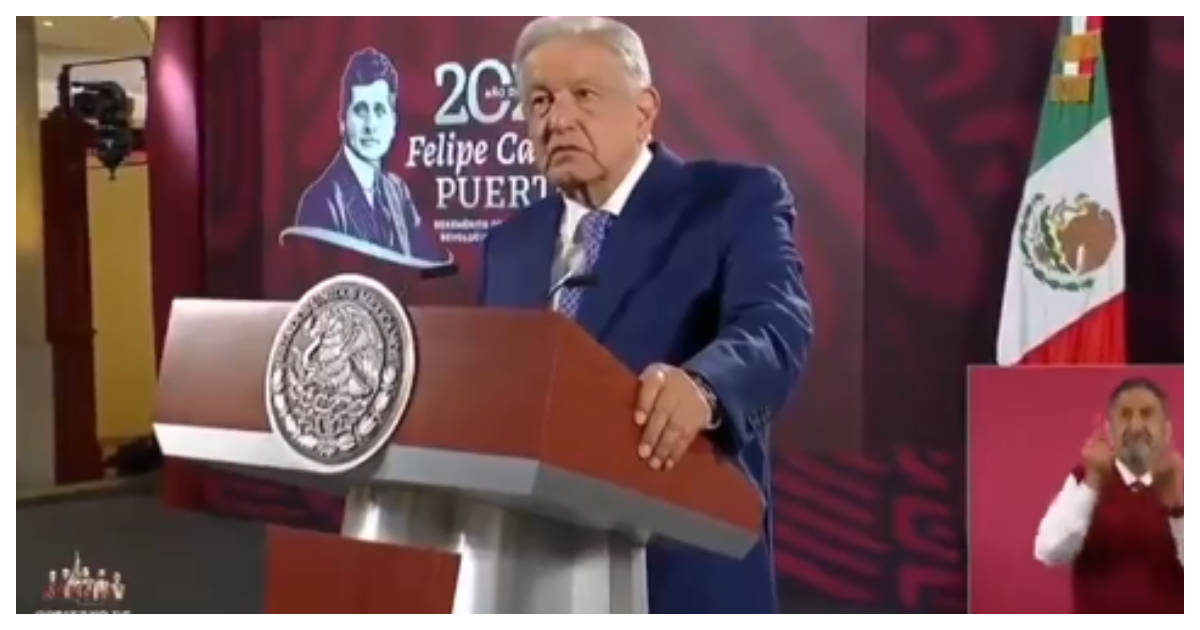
(592, 227)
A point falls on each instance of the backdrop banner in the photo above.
(904, 244)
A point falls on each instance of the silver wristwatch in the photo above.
(714, 403)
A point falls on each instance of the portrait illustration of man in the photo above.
(356, 203)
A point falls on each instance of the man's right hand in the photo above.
(1097, 458)
(1168, 479)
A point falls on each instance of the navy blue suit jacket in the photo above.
(699, 270)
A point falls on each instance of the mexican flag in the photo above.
(1064, 293)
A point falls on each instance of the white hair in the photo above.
(622, 39)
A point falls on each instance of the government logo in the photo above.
(340, 372)
(1065, 242)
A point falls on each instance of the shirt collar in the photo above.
(616, 202)
(1129, 478)
(620, 195)
(363, 172)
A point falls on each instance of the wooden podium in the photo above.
(517, 453)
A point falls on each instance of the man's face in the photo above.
(369, 122)
(1139, 427)
(585, 116)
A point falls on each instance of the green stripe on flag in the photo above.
(1063, 124)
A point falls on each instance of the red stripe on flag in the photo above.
(1097, 337)
(1087, 67)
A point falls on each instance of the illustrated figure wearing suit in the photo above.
(696, 282)
(355, 203)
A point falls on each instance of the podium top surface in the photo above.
(520, 406)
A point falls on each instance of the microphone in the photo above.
(441, 271)
(582, 280)
(426, 273)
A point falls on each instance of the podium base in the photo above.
(511, 561)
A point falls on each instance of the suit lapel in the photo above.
(631, 241)
(354, 205)
(534, 260)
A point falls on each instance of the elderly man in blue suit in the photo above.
(686, 271)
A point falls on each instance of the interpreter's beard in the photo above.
(1137, 449)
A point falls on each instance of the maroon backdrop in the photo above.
(905, 140)
(1039, 416)
(789, 111)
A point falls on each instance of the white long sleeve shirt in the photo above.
(1065, 525)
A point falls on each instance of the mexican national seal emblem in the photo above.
(340, 372)
(1064, 242)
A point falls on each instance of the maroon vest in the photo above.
(1128, 563)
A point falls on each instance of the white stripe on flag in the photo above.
(1032, 311)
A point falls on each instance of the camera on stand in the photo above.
(107, 106)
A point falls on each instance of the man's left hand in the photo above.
(671, 409)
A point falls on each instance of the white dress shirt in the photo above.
(1062, 530)
(569, 255)
(363, 172)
